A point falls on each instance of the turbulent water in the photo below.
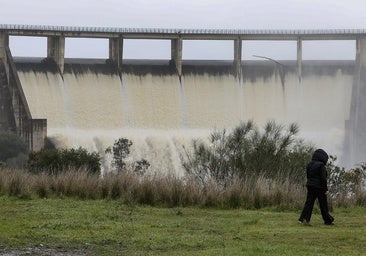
(90, 106)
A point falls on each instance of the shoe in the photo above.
(305, 222)
(330, 221)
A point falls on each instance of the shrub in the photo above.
(121, 151)
(55, 160)
(247, 151)
(345, 184)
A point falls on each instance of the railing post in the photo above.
(56, 50)
(116, 50)
(176, 54)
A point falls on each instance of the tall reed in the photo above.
(157, 190)
(252, 192)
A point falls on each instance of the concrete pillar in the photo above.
(4, 43)
(299, 58)
(361, 51)
(6, 115)
(176, 54)
(356, 134)
(116, 50)
(237, 56)
(38, 134)
(56, 50)
(14, 111)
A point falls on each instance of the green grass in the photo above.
(101, 227)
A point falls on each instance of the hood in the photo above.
(321, 156)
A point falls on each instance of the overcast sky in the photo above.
(231, 14)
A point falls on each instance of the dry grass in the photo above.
(159, 190)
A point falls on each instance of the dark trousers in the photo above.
(312, 195)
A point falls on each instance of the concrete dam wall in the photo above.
(92, 104)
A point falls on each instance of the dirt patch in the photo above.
(40, 251)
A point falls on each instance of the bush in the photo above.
(345, 184)
(55, 160)
(247, 152)
(121, 151)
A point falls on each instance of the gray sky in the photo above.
(231, 14)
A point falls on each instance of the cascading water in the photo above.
(92, 106)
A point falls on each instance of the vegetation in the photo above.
(121, 151)
(155, 190)
(102, 227)
(242, 195)
(349, 186)
(247, 152)
(247, 168)
(57, 160)
(159, 190)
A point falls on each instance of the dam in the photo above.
(161, 105)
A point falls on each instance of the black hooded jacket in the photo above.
(316, 172)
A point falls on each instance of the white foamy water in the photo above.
(160, 114)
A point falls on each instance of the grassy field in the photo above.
(102, 227)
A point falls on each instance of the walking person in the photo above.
(317, 188)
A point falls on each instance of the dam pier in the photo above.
(244, 86)
(15, 115)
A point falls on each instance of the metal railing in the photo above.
(10, 27)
